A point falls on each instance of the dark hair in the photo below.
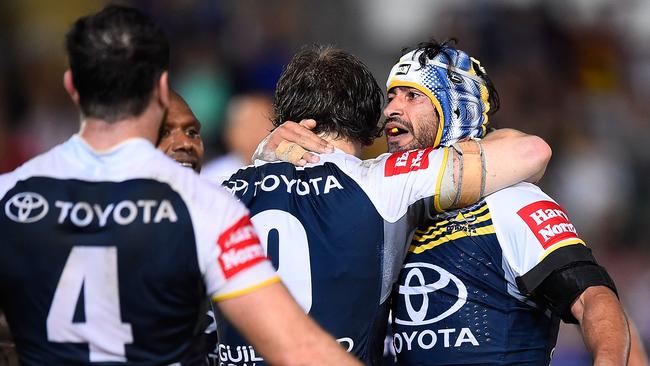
(116, 57)
(333, 87)
(432, 48)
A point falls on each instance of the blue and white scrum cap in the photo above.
(459, 95)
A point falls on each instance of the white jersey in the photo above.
(107, 256)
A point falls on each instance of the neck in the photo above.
(345, 145)
(102, 135)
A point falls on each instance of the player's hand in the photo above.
(293, 142)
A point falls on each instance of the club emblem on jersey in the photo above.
(462, 222)
(406, 161)
(549, 222)
(26, 207)
(416, 285)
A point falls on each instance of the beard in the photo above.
(424, 138)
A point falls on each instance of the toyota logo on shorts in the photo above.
(26, 207)
(415, 286)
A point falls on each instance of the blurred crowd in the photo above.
(575, 72)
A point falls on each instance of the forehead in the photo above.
(402, 89)
(179, 114)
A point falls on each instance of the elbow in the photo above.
(537, 152)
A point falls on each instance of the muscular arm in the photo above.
(638, 355)
(512, 156)
(7, 347)
(508, 157)
(282, 333)
(604, 325)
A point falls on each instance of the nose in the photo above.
(395, 107)
(181, 142)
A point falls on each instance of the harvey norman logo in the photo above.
(240, 248)
(407, 161)
(549, 222)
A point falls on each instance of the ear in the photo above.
(68, 84)
(163, 90)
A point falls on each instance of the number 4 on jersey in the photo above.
(93, 269)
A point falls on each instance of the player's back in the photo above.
(99, 261)
(334, 242)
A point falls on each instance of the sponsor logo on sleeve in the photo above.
(240, 248)
(549, 222)
(407, 161)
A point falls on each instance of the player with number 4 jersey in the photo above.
(114, 247)
(110, 248)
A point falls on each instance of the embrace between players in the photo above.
(476, 270)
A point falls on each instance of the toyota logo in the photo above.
(235, 186)
(26, 207)
(422, 289)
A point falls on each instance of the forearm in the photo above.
(7, 347)
(604, 326)
(638, 355)
(279, 329)
(511, 157)
(505, 157)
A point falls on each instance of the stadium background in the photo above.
(575, 72)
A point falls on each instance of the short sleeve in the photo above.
(230, 255)
(398, 180)
(530, 226)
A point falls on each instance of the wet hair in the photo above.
(433, 48)
(116, 57)
(334, 88)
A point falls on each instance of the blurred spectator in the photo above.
(248, 121)
(575, 72)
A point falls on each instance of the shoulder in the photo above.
(520, 207)
(194, 189)
(514, 197)
(37, 166)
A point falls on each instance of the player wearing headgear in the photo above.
(487, 284)
(337, 230)
(110, 248)
(456, 85)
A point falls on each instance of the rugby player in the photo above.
(488, 284)
(110, 247)
(336, 231)
(180, 135)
